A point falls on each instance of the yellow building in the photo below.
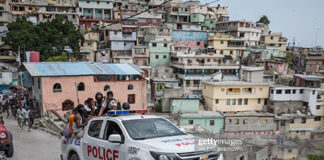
(89, 47)
(275, 40)
(226, 44)
(299, 125)
(233, 96)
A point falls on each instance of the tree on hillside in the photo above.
(62, 58)
(264, 19)
(49, 38)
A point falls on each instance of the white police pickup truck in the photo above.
(134, 137)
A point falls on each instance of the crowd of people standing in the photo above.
(19, 104)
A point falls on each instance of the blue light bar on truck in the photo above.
(120, 112)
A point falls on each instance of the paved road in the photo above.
(34, 145)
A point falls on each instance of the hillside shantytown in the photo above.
(187, 61)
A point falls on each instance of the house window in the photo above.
(236, 121)
(188, 83)
(278, 91)
(242, 158)
(289, 150)
(107, 88)
(223, 89)
(228, 102)
(303, 120)
(239, 101)
(0, 75)
(190, 121)
(294, 91)
(282, 123)
(198, 43)
(246, 102)
(317, 118)
(259, 100)
(271, 38)
(165, 45)
(130, 87)
(216, 101)
(301, 91)
(287, 91)
(81, 86)
(165, 57)
(318, 107)
(314, 92)
(222, 42)
(221, 52)
(98, 2)
(233, 101)
(271, 91)
(131, 98)
(245, 121)
(88, 1)
(125, 44)
(231, 52)
(157, 57)
(265, 121)
(89, 43)
(154, 44)
(211, 122)
(57, 87)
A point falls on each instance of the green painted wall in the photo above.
(211, 24)
(160, 54)
(184, 106)
(198, 18)
(205, 122)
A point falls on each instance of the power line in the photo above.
(147, 10)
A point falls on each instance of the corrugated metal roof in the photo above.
(45, 69)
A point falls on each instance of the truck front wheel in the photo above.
(10, 151)
(74, 156)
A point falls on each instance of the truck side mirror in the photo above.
(115, 138)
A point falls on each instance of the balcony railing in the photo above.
(204, 64)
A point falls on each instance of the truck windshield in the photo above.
(140, 129)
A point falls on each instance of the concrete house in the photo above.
(249, 123)
(249, 94)
(227, 45)
(121, 43)
(242, 29)
(95, 11)
(159, 52)
(56, 84)
(211, 121)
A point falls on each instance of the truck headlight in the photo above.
(164, 156)
(3, 135)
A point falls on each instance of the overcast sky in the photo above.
(301, 19)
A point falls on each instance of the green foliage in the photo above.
(49, 38)
(264, 19)
(315, 157)
(62, 58)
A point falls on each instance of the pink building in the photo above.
(280, 68)
(62, 86)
